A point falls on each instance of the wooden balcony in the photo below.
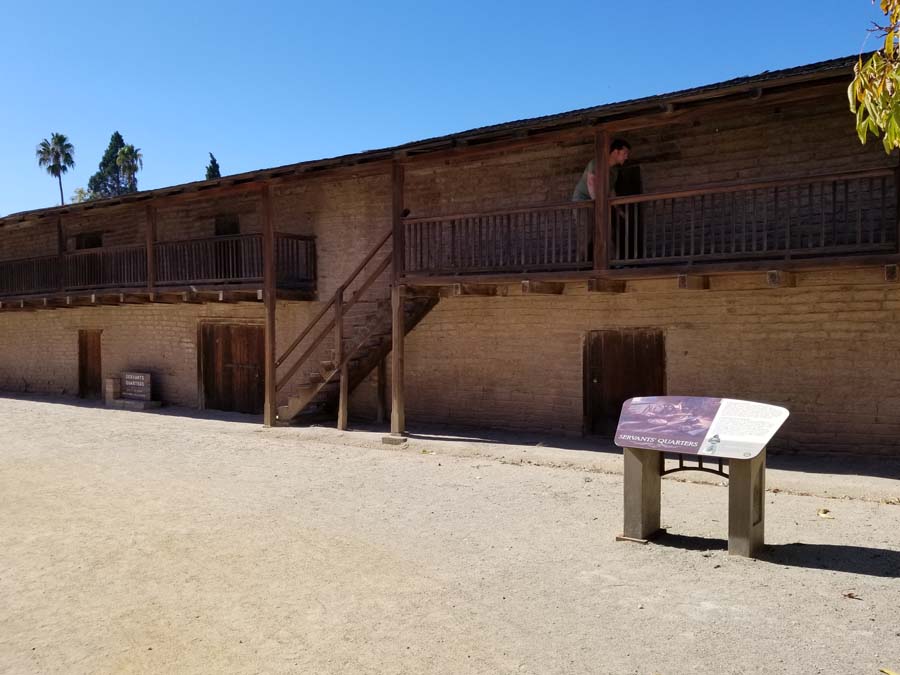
(220, 263)
(820, 218)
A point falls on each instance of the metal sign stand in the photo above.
(644, 470)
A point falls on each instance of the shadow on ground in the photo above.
(810, 463)
(873, 562)
(167, 411)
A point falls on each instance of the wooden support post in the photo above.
(399, 250)
(601, 200)
(746, 505)
(151, 247)
(343, 395)
(382, 392)
(270, 410)
(398, 389)
(643, 476)
(693, 282)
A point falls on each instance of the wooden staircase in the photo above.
(362, 338)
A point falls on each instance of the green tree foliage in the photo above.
(875, 91)
(108, 182)
(212, 169)
(130, 161)
(80, 195)
(57, 156)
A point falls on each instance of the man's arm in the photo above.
(590, 184)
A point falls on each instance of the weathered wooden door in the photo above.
(618, 365)
(232, 363)
(90, 379)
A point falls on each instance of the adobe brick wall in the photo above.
(40, 349)
(826, 350)
(760, 143)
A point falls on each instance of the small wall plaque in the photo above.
(136, 386)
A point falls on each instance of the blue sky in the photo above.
(270, 83)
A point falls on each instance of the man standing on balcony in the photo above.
(618, 155)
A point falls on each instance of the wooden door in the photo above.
(232, 364)
(90, 379)
(618, 365)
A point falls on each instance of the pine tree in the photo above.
(212, 169)
(109, 180)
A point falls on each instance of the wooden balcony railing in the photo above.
(109, 267)
(34, 275)
(225, 260)
(551, 237)
(295, 260)
(209, 261)
(814, 217)
(819, 216)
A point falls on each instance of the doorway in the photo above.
(618, 365)
(90, 379)
(232, 367)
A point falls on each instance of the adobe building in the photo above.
(748, 250)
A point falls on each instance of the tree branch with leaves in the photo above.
(875, 91)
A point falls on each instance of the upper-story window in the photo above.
(227, 224)
(88, 240)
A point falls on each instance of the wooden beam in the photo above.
(270, 409)
(693, 282)
(343, 396)
(605, 286)
(780, 279)
(111, 299)
(601, 200)
(399, 243)
(476, 289)
(166, 297)
(398, 334)
(531, 287)
(191, 297)
(381, 385)
(425, 281)
(688, 111)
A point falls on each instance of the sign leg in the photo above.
(643, 476)
(746, 505)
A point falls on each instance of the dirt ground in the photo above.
(170, 543)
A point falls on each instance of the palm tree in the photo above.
(57, 156)
(130, 160)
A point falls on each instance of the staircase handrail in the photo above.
(338, 295)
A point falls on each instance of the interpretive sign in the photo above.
(693, 425)
(136, 386)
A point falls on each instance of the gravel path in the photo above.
(147, 543)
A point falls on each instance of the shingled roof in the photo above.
(833, 69)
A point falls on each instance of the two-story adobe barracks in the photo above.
(748, 250)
